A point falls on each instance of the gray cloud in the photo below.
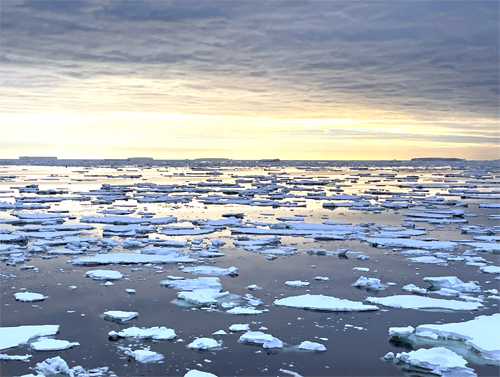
(428, 59)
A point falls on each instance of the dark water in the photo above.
(350, 352)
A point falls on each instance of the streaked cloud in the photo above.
(424, 69)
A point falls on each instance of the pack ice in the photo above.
(321, 302)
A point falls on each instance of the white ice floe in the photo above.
(273, 343)
(203, 282)
(311, 346)
(239, 327)
(453, 282)
(479, 334)
(14, 336)
(199, 373)
(427, 260)
(203, 344)
(439, 360)
(414, 289)
(255, 337)
(104, 275)
(119, 315)
(490, 269)
(125, 258)
(320, 302)
(125, 220)
(53, 366)
(202, 297)
(490, 247)
(401, 332)
(45, 344)
(29, 296)
(210, 270)
(297, 283)
(420, 302)
(24, 358)
(145, 355)
(409, 243)
(156, 333)
(368, 283)
(241, 310)
(364, 269)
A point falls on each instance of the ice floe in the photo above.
(420, 302)
(321, 302)
(119, 315)
(155, 333)
(15, 336)
(29, 296)
(46, 344)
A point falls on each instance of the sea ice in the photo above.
(203, 344)
(401, 332)
(156, 333)
(121, 316)
(453, 282)
(125, 258)
(239, 327)
(438, 360)
(420, 302)
(14, 336)
(297, 283)
(241, 310)
(145, 355)
(476, 333)
(320, 302)
(368, 283)
(210, 270)
(199, 373)
(311, 346)
(255, 337)
(29, 296)
(104, 275)
(490, 269)
(45, 344)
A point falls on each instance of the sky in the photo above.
(340, 80)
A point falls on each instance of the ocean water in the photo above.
(263, 195)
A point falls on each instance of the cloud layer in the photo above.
(418, 61)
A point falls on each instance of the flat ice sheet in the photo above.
(321, 302)
(14, 336)
(420, 302)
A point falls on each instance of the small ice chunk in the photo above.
(296, 283)
(420, 302)
(311, 346)
(198, 373)
(368, 283)
(364, 269)
(255, 337)
(29, 296)
(438, 360)
(104, 275)
(45, 344)
(120, 316)
(130, 290)
(241, 310)
(321, 302)
(220, 332)
(239, 327)
(156, 333)
(203, 344)
(145, 355)
(273, 343)
(401, 332)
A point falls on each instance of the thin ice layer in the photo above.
(476, 333)
(321, 302)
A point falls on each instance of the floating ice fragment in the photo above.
(420, 302)
(490, 269)
(104, 275)
(311, 346)
(44, 344)
(438, 360)
(210, 270)
(320, 302)
(297, 283)
(401, 332)
(14, 336)
(199, 373)
(121, 316)
(203, 344)
(156, 333)
(239, 327)
(29, 296)
(145, 355)
(241, 310)
(368, 283)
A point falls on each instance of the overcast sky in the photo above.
(250, 79)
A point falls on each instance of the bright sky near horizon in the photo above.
(250, 79)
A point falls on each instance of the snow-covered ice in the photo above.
(420, 302)
(29, 296)
(311, 346)
(45, 344)
(156, 333)
(14, 336)
(321, 302)
(119, 315)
